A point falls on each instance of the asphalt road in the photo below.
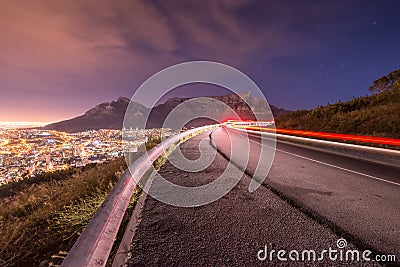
(358, 199)
(232, 230)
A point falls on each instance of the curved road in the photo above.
(358, 199)
(309, 200)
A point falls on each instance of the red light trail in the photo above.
(343, 137)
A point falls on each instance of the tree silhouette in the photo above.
(394, 76)
(380, 85)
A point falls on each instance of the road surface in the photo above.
(359, 199)
(303, 205)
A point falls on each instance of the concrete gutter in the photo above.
(122, 255)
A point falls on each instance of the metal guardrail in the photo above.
(94, 245)
(380, 155)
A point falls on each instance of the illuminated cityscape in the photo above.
(27, 152)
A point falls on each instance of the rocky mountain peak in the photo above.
(110, 115)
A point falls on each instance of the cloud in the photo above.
(81, 52)
(75, 36)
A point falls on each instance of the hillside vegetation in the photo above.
(41, 218)
(374, 115)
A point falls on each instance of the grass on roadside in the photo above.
(47, 217)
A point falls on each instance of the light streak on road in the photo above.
(326, 135)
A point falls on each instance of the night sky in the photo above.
(60, 58)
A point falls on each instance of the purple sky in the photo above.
(60, 58)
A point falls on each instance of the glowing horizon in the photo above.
(22, 124)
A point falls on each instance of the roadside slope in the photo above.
(376, 115)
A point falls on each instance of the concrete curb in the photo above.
(125, 246)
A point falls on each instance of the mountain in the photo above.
(111, 115)
(102, 116)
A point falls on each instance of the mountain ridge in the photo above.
(110, 115)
